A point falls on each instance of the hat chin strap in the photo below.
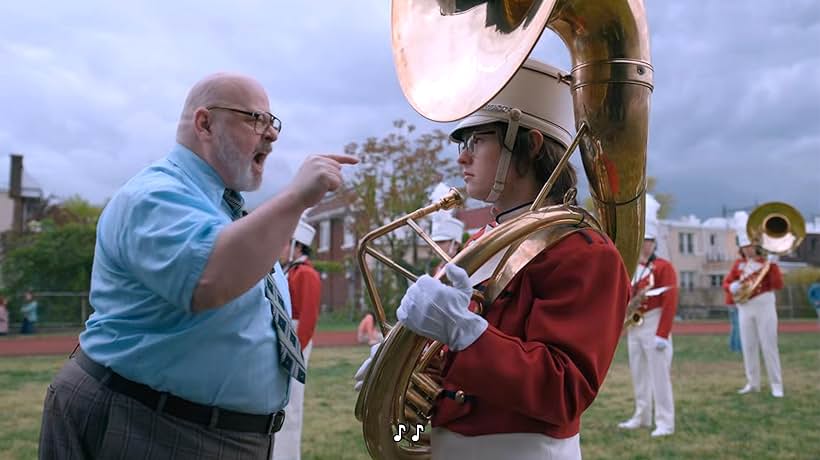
(292, 250)
(506, 155)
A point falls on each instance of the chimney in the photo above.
(16, 191)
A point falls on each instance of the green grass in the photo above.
(336, 323)
(713, 422)
(23, 383)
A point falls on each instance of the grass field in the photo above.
(713, 422)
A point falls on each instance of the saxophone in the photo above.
(634, 315)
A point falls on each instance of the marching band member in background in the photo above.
(650, 343)
(368, 331)
(734, 322)
(447, 233)
(305, 289)
(758, 315)
(814, 296)
(517, 380)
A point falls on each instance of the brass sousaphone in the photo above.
(778, 229)
(454, 56)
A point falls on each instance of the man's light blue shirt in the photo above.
(153, 241)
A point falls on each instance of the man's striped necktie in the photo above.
(290, 351)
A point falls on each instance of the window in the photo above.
(716, 280)
(712, 239)
(349, 239)
(687, 280)
(686, 243)
(324, 235)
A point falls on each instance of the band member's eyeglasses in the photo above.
(262, 120)
(468, 145)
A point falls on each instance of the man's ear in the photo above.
(202, 122)
(536, 140)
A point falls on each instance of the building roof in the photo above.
(30, 187)
(813, 227)
(717, 222)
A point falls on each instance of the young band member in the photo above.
(758, 315)
(650, 342)
(517, 379)
(305, 288)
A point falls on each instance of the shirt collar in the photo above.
(202, 173)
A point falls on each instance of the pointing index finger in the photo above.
(342, 158)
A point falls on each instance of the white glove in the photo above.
(734, 288)
(440, 312)
(661, 343)
(362, 372)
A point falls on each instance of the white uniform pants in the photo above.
(288, 441)
(758, 332)
(447, 445)
(651, 373)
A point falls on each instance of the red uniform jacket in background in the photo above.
(551, 338)
(771, 282)
(305, 289)
(664, 275)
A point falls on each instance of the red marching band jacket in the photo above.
(305, 290)
(771, 282)
(551, 338)
(663, 274)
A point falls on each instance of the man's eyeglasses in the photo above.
(262, 120)
(468, 145)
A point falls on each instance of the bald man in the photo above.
(190, 352)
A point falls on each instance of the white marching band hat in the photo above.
(651, 219)
(543, 98)
(447, 228)
(304, 233)
(739, 223)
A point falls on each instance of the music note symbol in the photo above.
(401, 427)
(417, 436)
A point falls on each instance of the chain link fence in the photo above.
(709, 303)
(55, 310)
(66, 310)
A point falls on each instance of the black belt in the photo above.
(167, 403)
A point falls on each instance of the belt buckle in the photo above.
(276, 421)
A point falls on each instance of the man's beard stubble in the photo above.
(240, 173)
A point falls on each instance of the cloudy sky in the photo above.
(90, 92)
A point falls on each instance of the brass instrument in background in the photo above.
(634, 315)
(778, 229)
(611, 85)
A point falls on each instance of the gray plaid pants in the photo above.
(83, 419)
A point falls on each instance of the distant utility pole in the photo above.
(16, 191)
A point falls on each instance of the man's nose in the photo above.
(271, 134)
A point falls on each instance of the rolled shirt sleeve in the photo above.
(166, 240)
